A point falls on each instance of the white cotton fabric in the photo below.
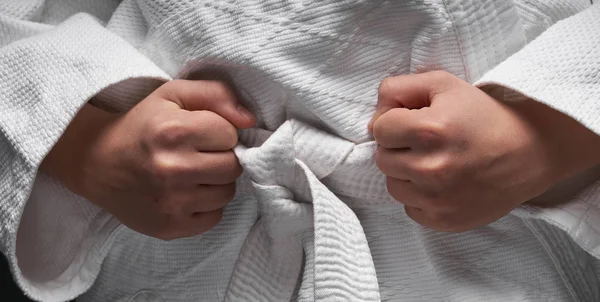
(312, 219)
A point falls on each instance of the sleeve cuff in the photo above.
(44, 80)
(561, 69)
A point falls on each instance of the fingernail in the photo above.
(245, 112)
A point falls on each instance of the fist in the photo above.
(166, 168)
(459, 159)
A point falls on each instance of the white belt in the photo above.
(307, 244)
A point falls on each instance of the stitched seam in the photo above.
(300, 27)
(542, 216)
(304, 88)
(458, 40)
(339, 51)
(501, 30)
(353, 34)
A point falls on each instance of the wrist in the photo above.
(67, 159)
(570, 147)
(571, 151)
(576, 148)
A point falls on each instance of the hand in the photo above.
(165, 168)
(459, 159)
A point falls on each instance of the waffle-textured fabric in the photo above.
(312, 219)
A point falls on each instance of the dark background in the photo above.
(9, 291)
(8, 288)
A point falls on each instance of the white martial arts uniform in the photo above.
(312, 219)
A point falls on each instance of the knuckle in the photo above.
(441, 209)
(218, 129)
(230, 134)
(168, 89)
(380, 129)
(220, 89)
(384, 90)
(441, 75)
(393, 189)
(169, 132)
(432, 201)
(231, 161)
(237, 170)
(216, 92)
(380, 159)
(390, 182)
(165, 167)
(436, 168)
(377, 129)
(447, 208)
(172, 204)
(428, 139)
(431, 131)
(228, 192)
(396, 195)
(443, 80)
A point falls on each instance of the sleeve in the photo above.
(54, 240)
(561, 68)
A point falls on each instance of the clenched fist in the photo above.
(458, 159)
(165, 168)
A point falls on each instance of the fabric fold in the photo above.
(560, 69)
(321, 198)
(53, 74)
(303, 227)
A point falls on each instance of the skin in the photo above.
(164, 168)
(456, 157)
(459, 159)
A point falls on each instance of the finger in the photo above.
(208, 131)
(215, 168)
(406, 192)
(417, 167)
(396, 163)
(200, 198)
(446, 222)
(207, 198)
(214, 96)
(412, 91)
(201, 222)
(418, 215)
(405, 128)
(181, 170)
(392, 128)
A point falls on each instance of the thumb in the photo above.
(414, 91)
(214, 96)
